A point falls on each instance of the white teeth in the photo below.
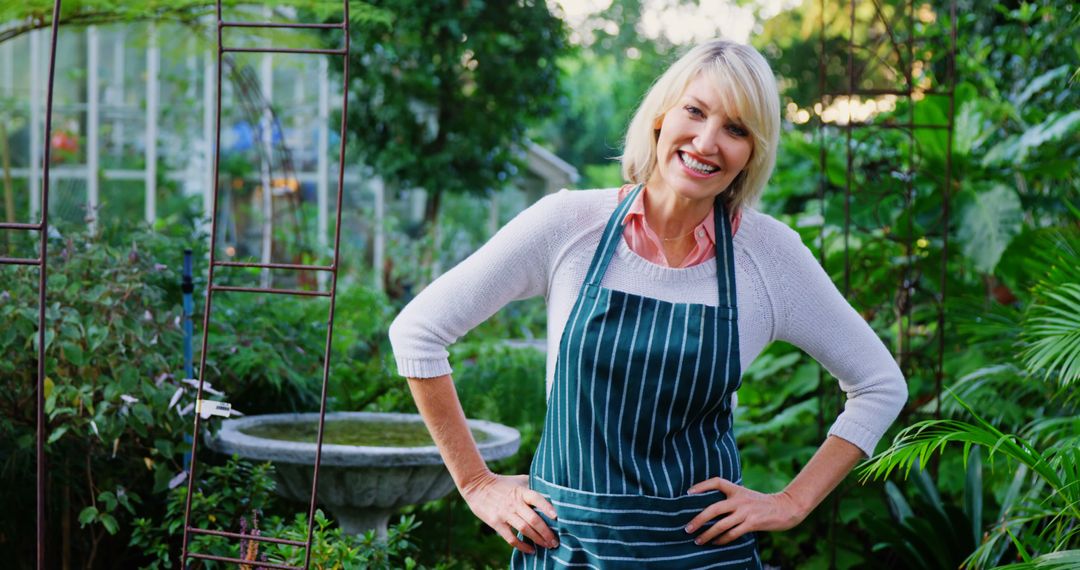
(695, 165)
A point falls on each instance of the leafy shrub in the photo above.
(118, 409)
(236, 497)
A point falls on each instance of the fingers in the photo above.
(537, 500)
(508, 535)
(717, 509)
(714, 484)
(733, 534)
(533, 527)
(719, 529)
(541, 533)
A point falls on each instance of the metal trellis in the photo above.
(41, 227)
(891, 41)
(212, 287)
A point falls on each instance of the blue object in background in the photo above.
(187, 286)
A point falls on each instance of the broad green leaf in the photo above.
(87, 515)
(973, 493)
(56, 434)
(988, 224)
(968, 130)
(896, 500)
(1015, 149)
(1037, 84)
(109, 522)
(73, 353)
(932, 142)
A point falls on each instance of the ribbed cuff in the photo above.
(423, 368)
(855, 434)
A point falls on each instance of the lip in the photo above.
(700, 159)
(693, 173)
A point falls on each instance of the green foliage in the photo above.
(603, 84)
(334, 549)
(1051, 325)
(933, 534)
(117, 407)
(988, 223)
(489, 375)
(38, 13)
(443, 95)
(1044, 516)
(111, 341)
(234, 497)
(224, 494)
(1064, 560)
(364, 377)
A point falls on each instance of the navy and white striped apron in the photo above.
(640, 410)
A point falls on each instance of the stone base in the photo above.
(364, 498)
(360, 520)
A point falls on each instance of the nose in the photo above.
(707, 140)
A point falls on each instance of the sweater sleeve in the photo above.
(512, 265)
(815, 317)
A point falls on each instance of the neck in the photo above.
(670, 215)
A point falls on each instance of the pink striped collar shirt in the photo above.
(642, 240)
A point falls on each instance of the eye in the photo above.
(737, 130)
(694, 111)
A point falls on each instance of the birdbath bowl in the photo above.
(372, 464)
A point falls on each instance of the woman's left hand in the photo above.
(743, 511)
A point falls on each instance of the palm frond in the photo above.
(917, 443)
(1051, 325)
(1063, 560)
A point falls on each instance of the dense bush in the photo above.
(239, 495)
(118, 408)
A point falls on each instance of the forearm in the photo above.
(437, 400)
(826, 469)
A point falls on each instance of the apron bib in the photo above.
(640, 410)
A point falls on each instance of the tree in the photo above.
(442, 97)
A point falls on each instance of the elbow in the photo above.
(897, 393)
(398, 333)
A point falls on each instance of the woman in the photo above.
(647, 340)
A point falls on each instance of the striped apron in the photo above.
(640, 410)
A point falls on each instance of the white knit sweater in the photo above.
(782, 294)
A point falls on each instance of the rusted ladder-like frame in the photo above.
(211, 287)
(41, 227)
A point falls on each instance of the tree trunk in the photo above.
(431, 225)
(65, 529)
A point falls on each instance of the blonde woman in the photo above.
(658, 295)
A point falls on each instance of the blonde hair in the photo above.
(748, 88)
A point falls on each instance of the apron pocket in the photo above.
(612, 531)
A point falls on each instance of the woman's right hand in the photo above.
(505, 503)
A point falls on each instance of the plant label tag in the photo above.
(207, 408)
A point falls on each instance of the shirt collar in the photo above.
(637, 210)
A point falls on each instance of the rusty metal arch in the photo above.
(211, 287)
(888, 43)
(41, 262)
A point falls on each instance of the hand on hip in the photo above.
(742, 511)
(505, 504)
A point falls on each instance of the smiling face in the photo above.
(700, 149)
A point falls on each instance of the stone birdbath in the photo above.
(372, 464)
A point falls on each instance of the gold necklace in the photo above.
(678, 238)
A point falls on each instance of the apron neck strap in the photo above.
(610, 240)
(725, 253)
